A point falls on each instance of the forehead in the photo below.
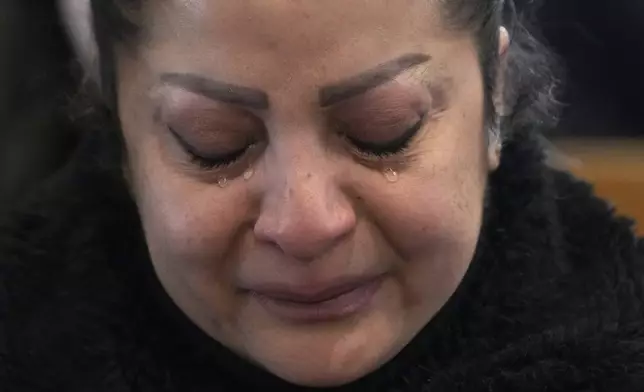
(254, 41)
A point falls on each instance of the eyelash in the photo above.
(392, 148)
(208, 163)
(216, 163)
(365, 149)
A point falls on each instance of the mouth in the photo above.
(307, 304)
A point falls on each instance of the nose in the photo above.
(305, 214)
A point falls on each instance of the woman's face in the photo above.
(310, 174)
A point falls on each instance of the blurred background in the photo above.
(35, 135)
(600, 44)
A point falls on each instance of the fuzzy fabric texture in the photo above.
(552, 301)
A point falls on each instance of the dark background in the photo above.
(600, 44)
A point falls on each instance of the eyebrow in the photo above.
(218, 91)
(328, 95)
(359, 84)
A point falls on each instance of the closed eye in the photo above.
(208, 161)
(389, 148)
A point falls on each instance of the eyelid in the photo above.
(400, 144)
(224, 158)
(219, 131)
(392, 142)
(182, 142)
(179, 105)
(230, 131)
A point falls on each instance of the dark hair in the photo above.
(529, 80)
(529, 68)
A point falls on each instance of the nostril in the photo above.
(306, 230)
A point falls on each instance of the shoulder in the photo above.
(585, 356)
(561, 244)
(601, 248)
(60, 296)
(582, 316)
(558, 299)
(65, 223)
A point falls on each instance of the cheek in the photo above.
(192, 230)
(190, 226)
(432, 216)
(433, 224)
(187, 222)
(440, 198)
(427, 214)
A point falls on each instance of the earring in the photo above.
(495, 145)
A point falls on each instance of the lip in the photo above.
(311, 303)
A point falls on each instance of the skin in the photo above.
(314, 210)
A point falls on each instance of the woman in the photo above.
(341, 194)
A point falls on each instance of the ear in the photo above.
(76, 16)
(495, 144)
(504, 41)
(494, 153)
(504, 45)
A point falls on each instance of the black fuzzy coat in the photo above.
(552, 301)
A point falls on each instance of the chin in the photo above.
(323, 381)
(329, 353)
(310, 375)
(327, 356)
(323, 362)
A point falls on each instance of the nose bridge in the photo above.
(304, 211)
(299, 168)
(297, 159)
